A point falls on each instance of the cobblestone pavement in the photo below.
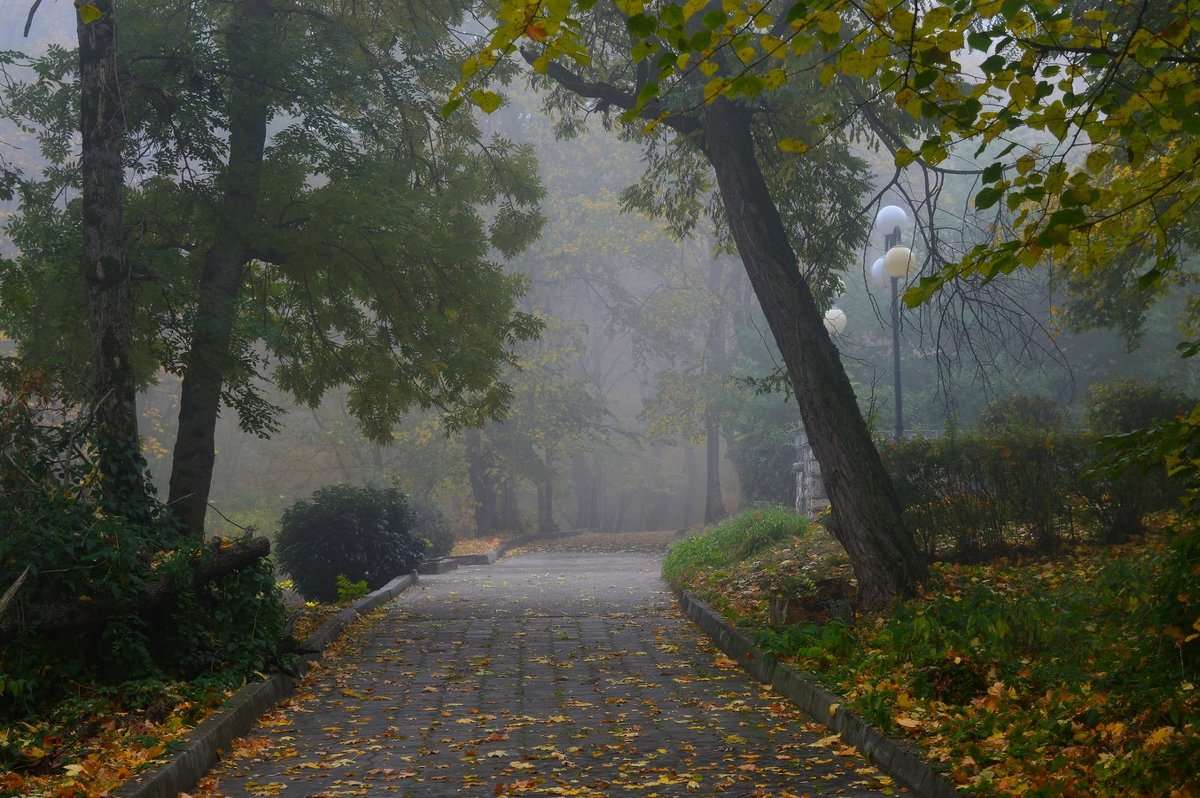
(544, 674)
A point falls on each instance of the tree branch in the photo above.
(686, 124)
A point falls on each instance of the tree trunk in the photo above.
(693, 482)
(483, 488)
(587, 515)
(714, 366)
(106, 270)
(510, 508)
(221, 278)
(714, 507)
(866, 513)
(545, 495)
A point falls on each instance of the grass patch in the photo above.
(730, 542)
(1047, 677)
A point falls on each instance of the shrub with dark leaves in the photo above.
(430, 524)
(362, 533)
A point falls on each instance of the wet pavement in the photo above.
(543, 674)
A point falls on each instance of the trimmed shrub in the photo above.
(361, 533)
(431, 525)
(972, 496)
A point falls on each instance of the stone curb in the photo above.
(899, 761)
(205, 743)
(486, 558)
(517, 543)
(442, 565)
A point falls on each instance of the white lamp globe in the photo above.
(835, 321)
(899, 262)
(889, 218)
(878, 274)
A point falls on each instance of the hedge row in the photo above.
(977, 494)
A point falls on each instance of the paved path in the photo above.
(551, 674)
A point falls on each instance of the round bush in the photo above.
(431, 525)
(361, 533)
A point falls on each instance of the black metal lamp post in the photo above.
(896, 263)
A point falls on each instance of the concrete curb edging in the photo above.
(487, 558)
(899, 761)
(205, 743)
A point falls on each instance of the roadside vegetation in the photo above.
(1050, 675)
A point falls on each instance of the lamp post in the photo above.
(835, 321)
(897, 262)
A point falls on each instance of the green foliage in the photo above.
(1052, 672)
(361, 533)
(371, 242)
(1178, 590)
(75, 550)
(431, 525)
(765, 450)
(350, 591)
(971, 495)
(1125, 484)
(1127, 405)
(731, 541)
(1020, 412)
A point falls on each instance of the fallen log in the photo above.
(66, 616)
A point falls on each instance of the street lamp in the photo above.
(897, 262)
(835, 321)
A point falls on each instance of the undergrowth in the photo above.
(1050, 677)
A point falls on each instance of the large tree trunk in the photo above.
(221, 279)
(866, 513)
(106, 270)
(483, 485)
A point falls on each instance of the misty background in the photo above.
(643, 405)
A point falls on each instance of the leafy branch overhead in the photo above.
(1109, 92)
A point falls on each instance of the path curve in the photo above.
(544, 674)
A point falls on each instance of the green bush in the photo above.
(360, 532)
(1021, 413)
(430, 524)
(973, 495)
(1118, 491)
(730, 541)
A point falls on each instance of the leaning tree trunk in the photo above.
(866, 512)
(106, 270)
(221, 278)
